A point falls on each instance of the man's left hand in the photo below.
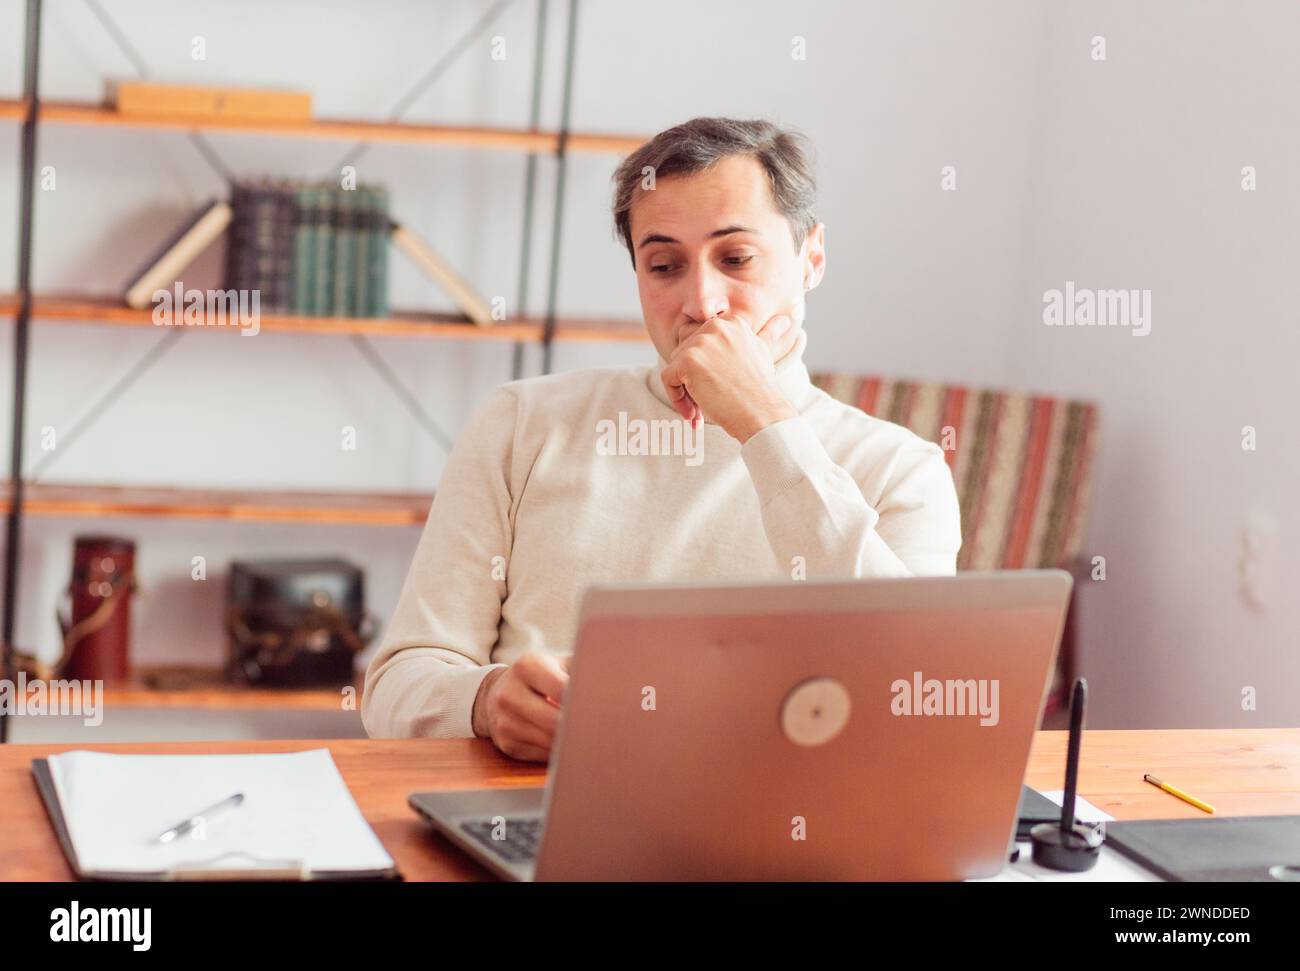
(726, 369)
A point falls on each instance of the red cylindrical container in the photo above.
(96, 645)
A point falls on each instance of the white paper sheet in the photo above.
(297, 813)
(1084, 811)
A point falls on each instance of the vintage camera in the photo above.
(296, 623)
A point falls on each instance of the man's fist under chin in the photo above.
(726, 369)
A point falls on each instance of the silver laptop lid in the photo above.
(860, 730)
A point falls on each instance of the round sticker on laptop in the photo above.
(815, 711)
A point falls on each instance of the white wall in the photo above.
(1136, 182)
(1122, 173)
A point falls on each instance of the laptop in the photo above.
(811, 730)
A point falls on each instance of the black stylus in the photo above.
(1078, 702)
(1066, 847)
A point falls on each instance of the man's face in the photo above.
(713, 244)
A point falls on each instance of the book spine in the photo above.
(361, 257)
(304, 248)
(238, 263)
(285, 205)
(249, 257)
(345, 239)
(228, 270)
(323, 272)
(377, 268)
(263, 245)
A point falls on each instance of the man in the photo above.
(562, 481)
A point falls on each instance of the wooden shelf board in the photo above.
(105, 310)
(235, 505)
(571, 329)
(181, 687)
(509, 139)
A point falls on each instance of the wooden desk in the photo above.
(1242, 772)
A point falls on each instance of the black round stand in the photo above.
(1073, 851)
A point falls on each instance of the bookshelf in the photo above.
(110, 501)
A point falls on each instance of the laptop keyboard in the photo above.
(519, 837)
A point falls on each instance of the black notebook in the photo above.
(1245, 848)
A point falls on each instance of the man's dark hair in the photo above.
(699, 143)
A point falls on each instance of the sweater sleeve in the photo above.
(815, 511)
(437, 648)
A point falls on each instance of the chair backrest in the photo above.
(1023, 464)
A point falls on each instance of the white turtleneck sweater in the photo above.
(549, 490)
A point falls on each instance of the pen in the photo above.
(181, 828)
(1175, 791)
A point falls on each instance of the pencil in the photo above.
(1175, 791)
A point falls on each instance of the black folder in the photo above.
(45, 785)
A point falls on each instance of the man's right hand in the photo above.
(518, 707)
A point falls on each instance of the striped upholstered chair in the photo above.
(1023, 466)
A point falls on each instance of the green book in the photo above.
(361, 253)
(322, 304)
(345, 252)
(377, 263)
(304, 248)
